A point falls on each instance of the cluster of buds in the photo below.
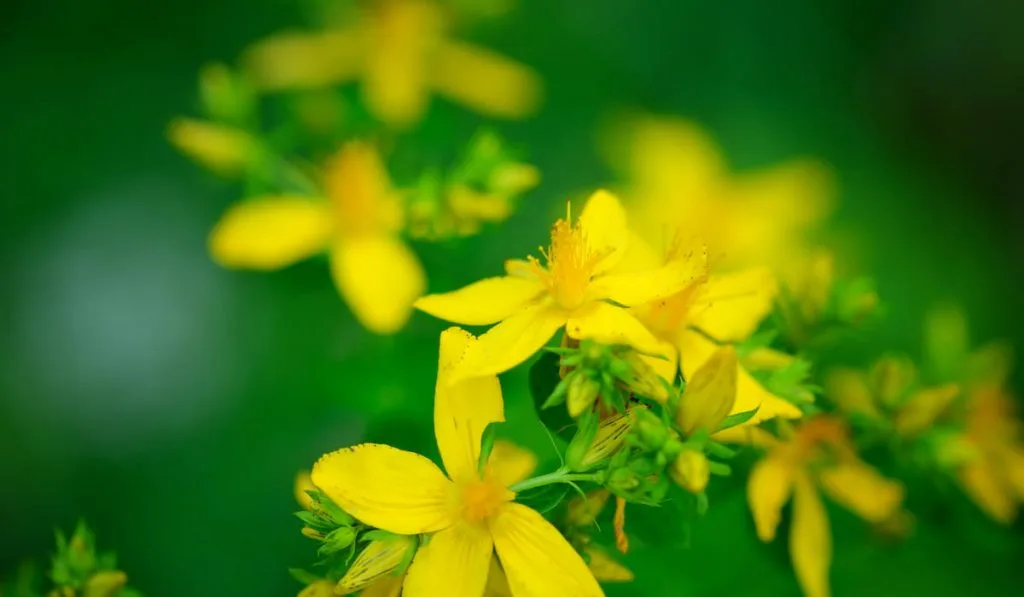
(479, 189)
(79, 571)
(323, 520)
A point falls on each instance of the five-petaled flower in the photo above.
(576, 289)
(400, 50)
(471, 513)
(819, 454)
(358, 224)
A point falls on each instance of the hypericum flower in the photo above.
(401, 51)
(224, 149)
(992, 472)
(725, 307)
(672, 167)
(471, 512)
(887, 395)
(818, 455)
(357, 224)
(575, 289)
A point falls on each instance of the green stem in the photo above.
(561, 475)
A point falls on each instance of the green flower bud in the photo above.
(105, 583)
(650, 431)
(337, 540)
(582, 393)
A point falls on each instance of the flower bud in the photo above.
(381, 557)
(320, 588)
(610, 436)
(302, 485)
(690, 471)
(337, 540)
(650, 430)
(583, 512)
(223, 149)
(582, 393)
(105, 583)
(710, 393)
(513, 178)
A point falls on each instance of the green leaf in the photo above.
(487, 444)
(544, 379)
(303, 576)
(738, 418)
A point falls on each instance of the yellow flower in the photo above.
(401, 51)
(575, 289)
(886, 394)
(105, 583)
(726, 307)
(758, 218)
(470, 513)
(818, 456)
(358, 225)
(993, 474)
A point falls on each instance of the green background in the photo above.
(170, 402)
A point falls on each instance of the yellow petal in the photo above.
(271, 233)
(462, 410)
(482, 303)
(304, 61)
(380, 278)
(923, 407)
(497, 584)
(537, 559)
(512, 341)
(509, 463)
(747, 435)
(849, 390)
(378, 560)
(646, 286)
(389, 586)
(768, 489)
(604, 223)
(357, 183)
(387, 488)
(810, 540)
(605, 568)
(861, 489)
(105, 583)
(609, 324)
(302, 485)
(710, 393)
(731, 306)
(223, 149)
(395, 87)
(485, 81)
(457, 559)
(983, 485)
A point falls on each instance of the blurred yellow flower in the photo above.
(819, 455)
(992, 473)
(470, 513)
(224, 149)
(671, 166)
(888, 394)
(724, 307)
(576, 289)
(358, 225)
(401, 51)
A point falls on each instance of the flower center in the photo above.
(481, 499)
(359, 189)
(570, 265)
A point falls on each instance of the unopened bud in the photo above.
(610, 436)
(223, 149)
(583, 512)
(582, 393)
(381, 557)
(312, 533)
(690, 471)
(710, 393)
(623, 480)
(650, 430)
(513, 178)
(302, 485)
(105, 583)
(337, 540)
(320, 588)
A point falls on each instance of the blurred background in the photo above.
(170, 402)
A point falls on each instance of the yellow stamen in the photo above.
(480, 500)
(570, 263)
